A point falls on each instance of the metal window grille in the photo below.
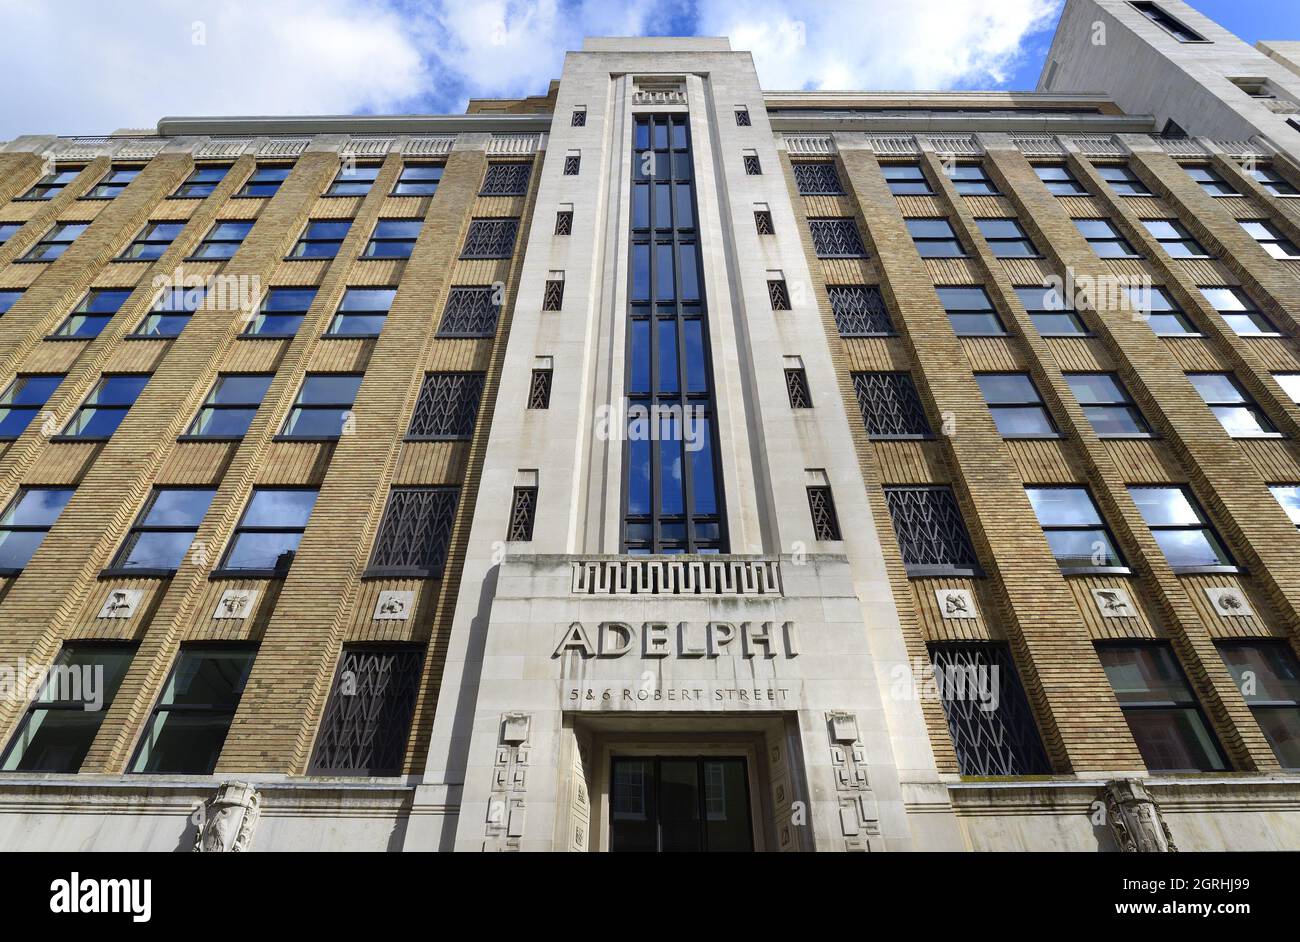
(470, 312)
(796, 384)
(368, 718)
(571, 165)
(752, 167)
(564, 222)
(860, 311)
(539, 390)
(930, 529)
(506, 179)
(836, 238)
(763, 222)
(447, 407)
(890, 405)
(817, 178)
(553, 295)
(523, 510)
(490, 238)
(826, 525)
(779, 294)
(416, 530)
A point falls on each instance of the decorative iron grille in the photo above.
(796, 384)
(579, 118)
(779, 294)
(860, 311)
(539, 390)
(490, 238)
(817, 178)
(415, 531)
(553, 295)
(742, 118)
(368, 718)
(752, 166)
(992, 727)
(826, 525)
(930, 530)
(763, 222)
(470, 312)
(447, 407)
(506, 179)
(564, 222)
(571, 165)
(890, 406)
(837, 237)
(522, 512)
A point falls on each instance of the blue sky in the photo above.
(125, 64)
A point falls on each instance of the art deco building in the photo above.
(663, 463)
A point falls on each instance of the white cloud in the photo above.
(90, 66)
(879, 44)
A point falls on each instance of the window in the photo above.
(202, 181)
(1123, 181)
(572, 164)
(162, 534)
(930, 531)
(418, 180)
(564, 222)
(25, 522)
(362, 312)
(1048, 312)
(471, 311)
(321, 239)
(763, 222)
(1075, 531)
(1238, 311)
(265, 180)
(281, 312)
(269, 531)
(970, 312)
(106, 406)
(1269, 239)
(170, 312)
(579, 118)
(228, 410)
(353, 179)
(1236, 411)
(971, 180)
(1107, 405)
(1006, 238)
(826, 525)
(553, 292)
(860, 311)
(8, 299)
(112, 184)
(672, 493)
(1017, 409)
(506, 179)
(447, 408)
(1184, 34)
(490, 238)
(415, 531)
(323, 406)
(1288, 495)
(752, 167)
(22, 400)
(52, 184)
(223, 240)
(934, 238)
(1180, 528)
(368, 718)
(992, 726)
(778, 294)
(1290, 383)
(55, 242)
(60, 725)
(796, 387)
(393, 238)
(1059, 181)
(1104, 239)
(1155, 307)
(890, 406)
(906, 179)
(539, 389)
(1210, 181)
(836, 238)
(93, 313)
(154, 239)
(1273, 182)
(1268, 677)
(8, 230)
(742, 118)
(817, 178)
(523, 511)
(188, 726)
(1174, 238)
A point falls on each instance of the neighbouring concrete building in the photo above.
(662, 463)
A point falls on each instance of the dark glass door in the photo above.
(696, 803)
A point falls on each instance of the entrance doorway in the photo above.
(680, 804)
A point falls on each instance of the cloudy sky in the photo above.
(91, 66)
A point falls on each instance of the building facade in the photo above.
(662, 463)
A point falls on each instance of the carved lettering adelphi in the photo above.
(655, 639)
